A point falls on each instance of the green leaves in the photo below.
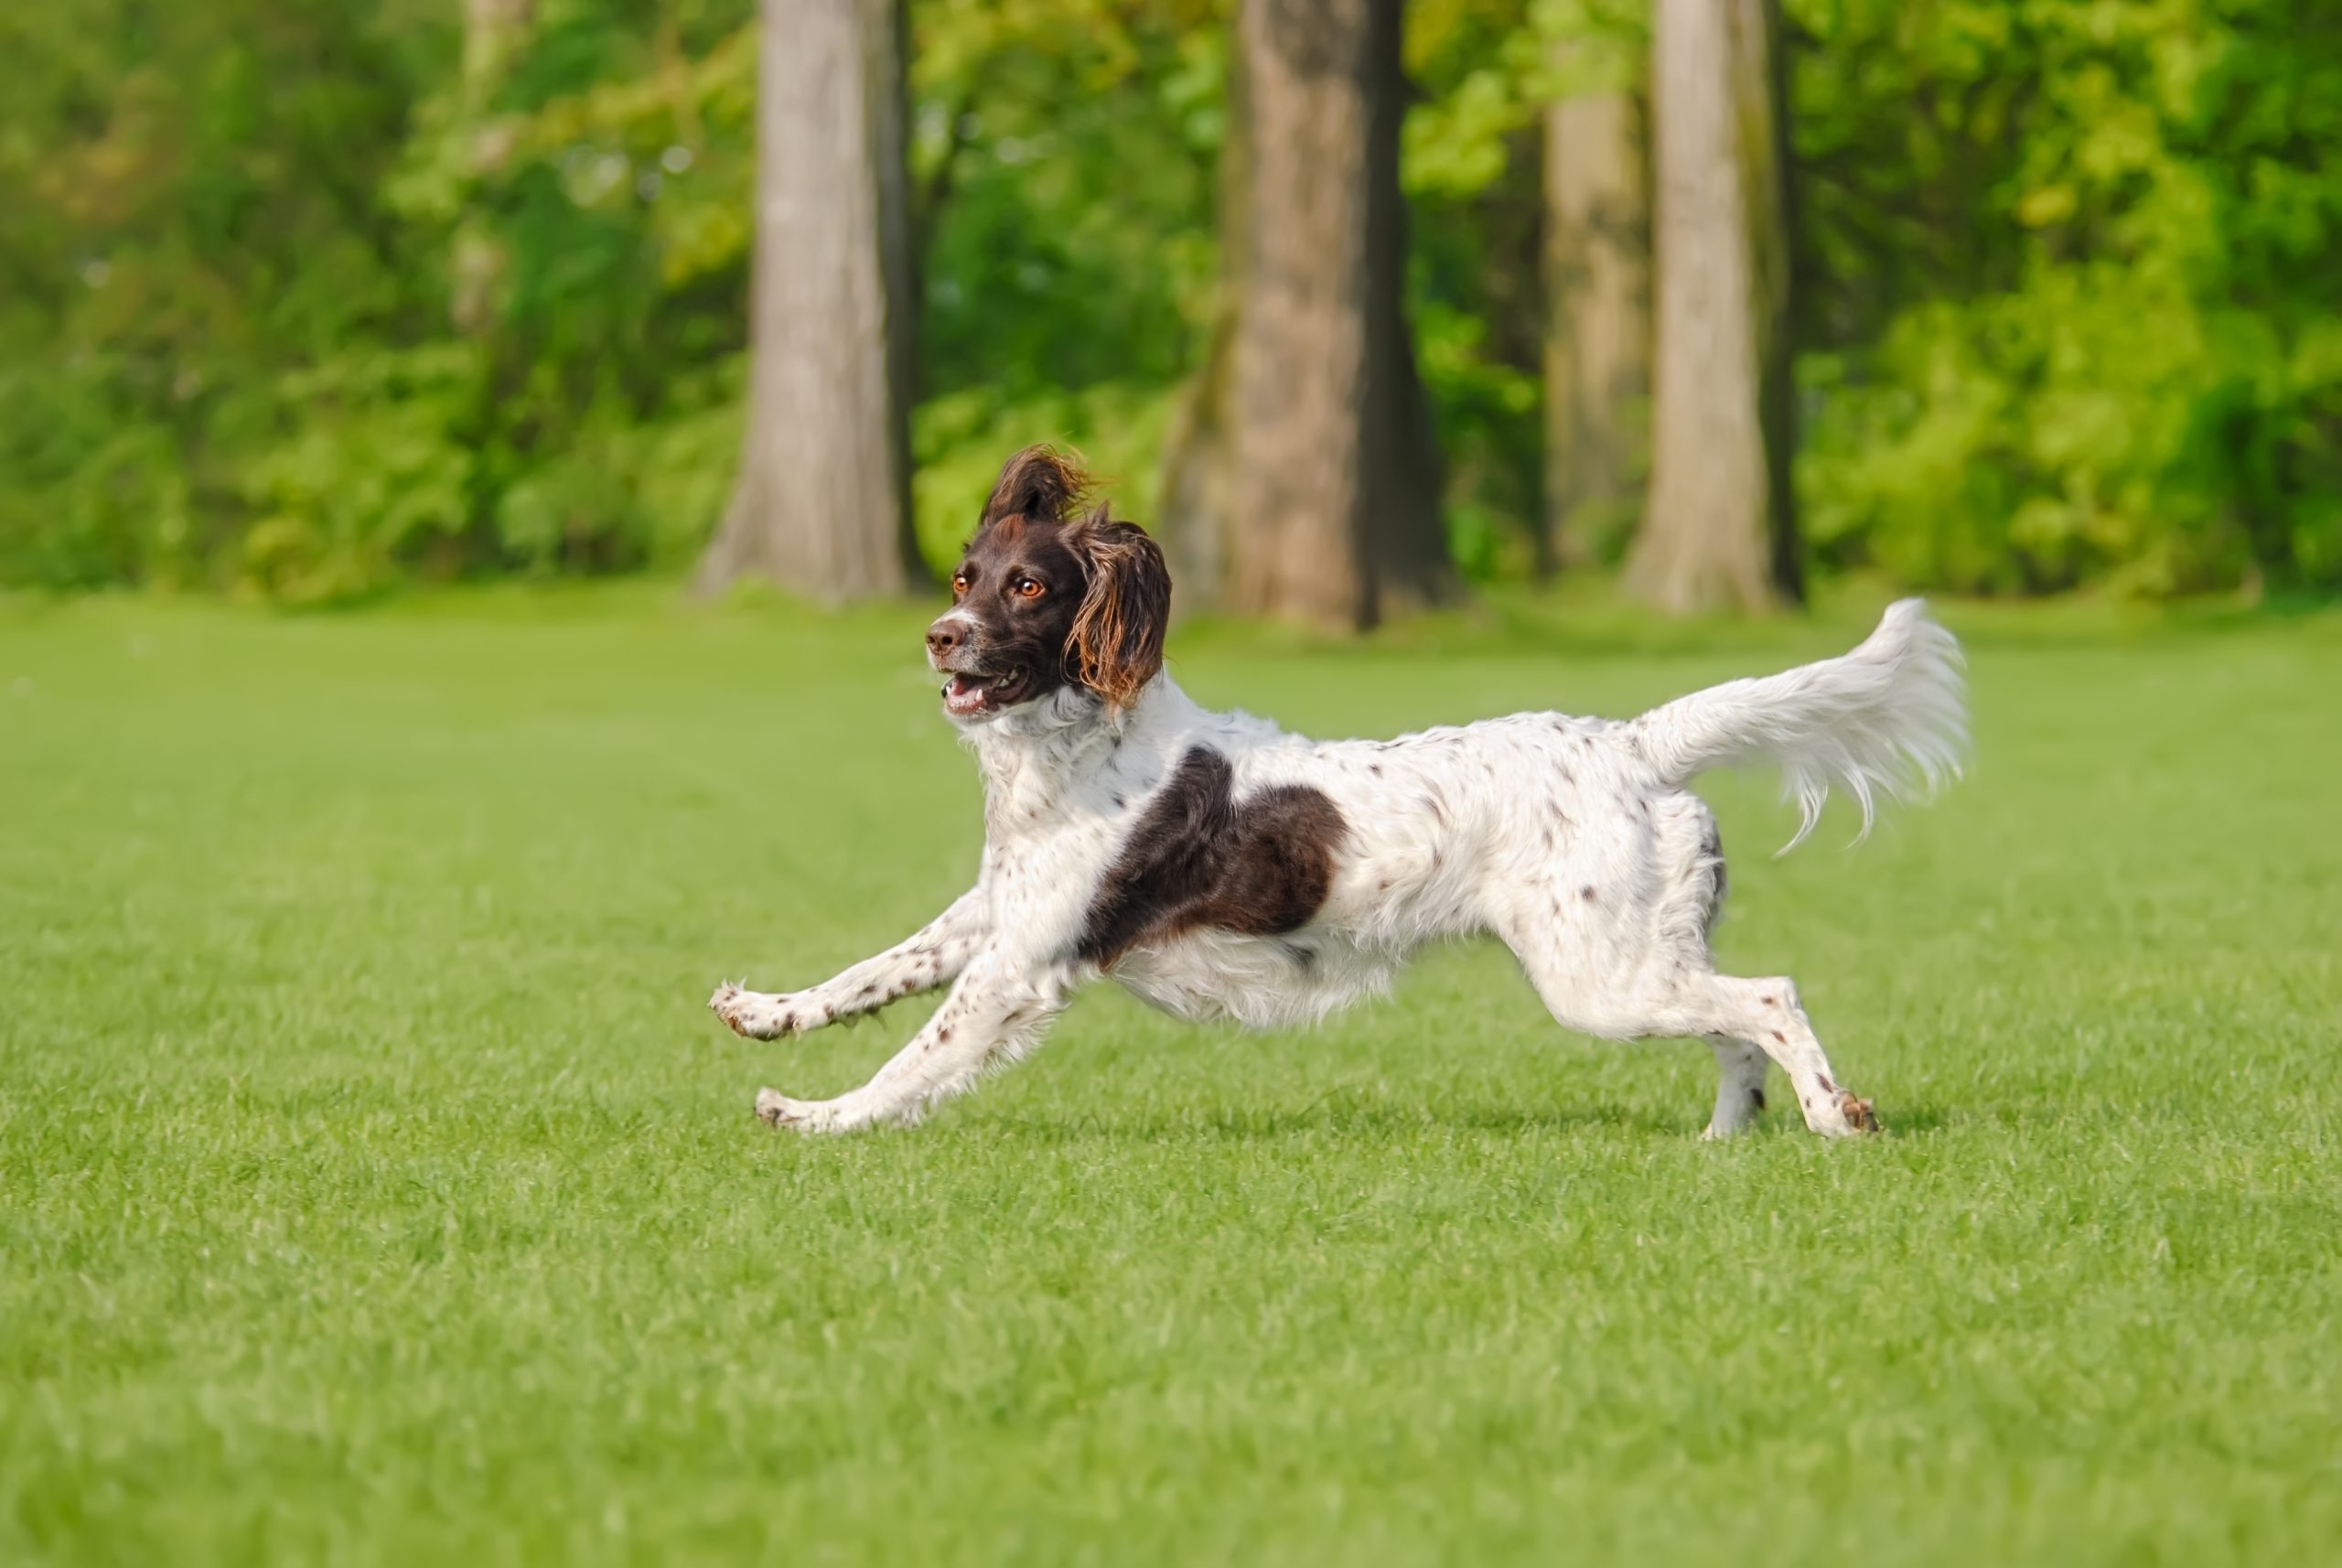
(2059, 298)
(310, 299)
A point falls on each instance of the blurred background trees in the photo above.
(303, 301)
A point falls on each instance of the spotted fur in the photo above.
(1219, 867)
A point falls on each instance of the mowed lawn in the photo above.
(374, 1187)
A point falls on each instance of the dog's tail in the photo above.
(1887, 718)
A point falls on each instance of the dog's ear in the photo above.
(1116, 645)
(1037, 483)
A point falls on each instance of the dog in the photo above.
(1220, 868)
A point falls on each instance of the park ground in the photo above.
(374, 1189)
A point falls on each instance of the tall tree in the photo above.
(494, 33)
(1197, 510)
(1597, 281)
(823, 504)
(1719, 528)
(1307, 475)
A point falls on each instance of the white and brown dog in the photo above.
(1220, 868)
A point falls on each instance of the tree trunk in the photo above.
(1197, 509)
(822, 505)
(1764, 85)
(1305, 479)
(1718, 531)
(1598, 341)
(494, 33)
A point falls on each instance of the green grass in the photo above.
(373, 1187)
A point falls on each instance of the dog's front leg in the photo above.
(930, 956)
(994, 1015)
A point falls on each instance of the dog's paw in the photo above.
(759, 1016)
(1840, 1113)
(1859, 1117)
(1834, 1111)
(775, 1110)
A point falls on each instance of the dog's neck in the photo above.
(1034, 757)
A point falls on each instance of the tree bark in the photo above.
(1197, 510)
(495, 31)
(822, 505)
(1597, 342)
(1764, 85)
(1304, 481)
(1719, 529)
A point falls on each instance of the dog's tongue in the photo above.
(963, 695)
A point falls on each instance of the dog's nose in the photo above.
(945, 638)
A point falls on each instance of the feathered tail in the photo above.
(1887, 718)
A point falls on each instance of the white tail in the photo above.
(1888, 717)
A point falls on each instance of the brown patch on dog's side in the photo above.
(1201, 858)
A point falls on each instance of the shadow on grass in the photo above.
(1334, 1113)
(1349, 1114)
(1905, 1120)
(2047, 1114)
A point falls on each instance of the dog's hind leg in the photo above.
(1766, 1013)
(1744, 1021)
(1740, 1085)
(1611, 959)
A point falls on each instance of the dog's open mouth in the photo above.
(966, 695)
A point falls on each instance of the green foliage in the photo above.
(1472, 168)
(194, 223)
(1065, 150)
(2070, 291)
(1065, 157)
(1469, 168)
(307, 300)
(959, 437)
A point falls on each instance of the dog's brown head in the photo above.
(1047, 597)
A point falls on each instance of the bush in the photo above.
(2070, 275)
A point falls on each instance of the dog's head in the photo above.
(1047, 597)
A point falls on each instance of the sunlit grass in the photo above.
(373, 1187)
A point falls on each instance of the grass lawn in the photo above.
(373, 1187)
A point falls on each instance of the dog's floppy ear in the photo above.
(1037, 483)
(1116, 645)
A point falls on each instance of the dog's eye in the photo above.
(959, 583)
(1027, 588)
